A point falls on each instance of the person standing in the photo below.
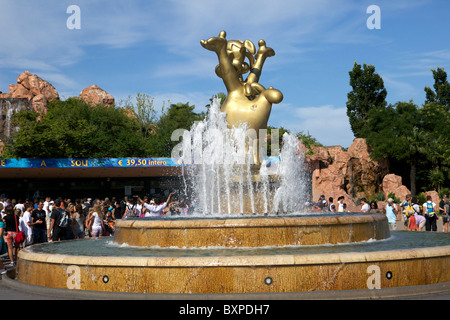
(441, 210)
(331, 205)
(404, 207)
(38, 217)
(26, 223)
(3, 246)
(47, 204)
(59, 222)
(442, 204)
(391, 214)
(154, 210)
(365, 206)
(340, 207)
(87, 206)
(412, 223)
(78, 221)
(11, 228)
(429, 211)
(95, 222)
(446, 215)
(420, 219)
(374, 207)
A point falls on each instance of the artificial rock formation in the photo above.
(96, 95)
(35, 89)
(39, 92)
(33, 93)
(393, 184)
(352, 174)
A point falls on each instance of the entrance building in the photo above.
(82, 178)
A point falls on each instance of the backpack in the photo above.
(447, 207)
(63, 219)
(430, 209)
(129, 211)
(409, 210)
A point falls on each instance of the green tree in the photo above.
(75, 129)
(435, 116)
(145, 112)
(368, 92)
(178, 116)
(308, 141)
(394, 132)
(441, 93)
(222, 96)
(274, 132)
(436, 122)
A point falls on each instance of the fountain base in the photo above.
(251, 231)
(404, 259)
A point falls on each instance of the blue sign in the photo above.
(91, 163)
(102, 163)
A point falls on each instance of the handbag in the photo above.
(20, 235)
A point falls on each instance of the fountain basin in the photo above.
(404, 259)
(251, 231)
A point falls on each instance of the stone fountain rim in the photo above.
(234, 261)
(230, 221)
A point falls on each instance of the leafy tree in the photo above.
(274, 131)
(381, 132)
(395, 132)
(178, 116)
(308, 141)
(222, 96)
(435, 116)
(368, 92)
(436, 122)
(75, 129)
(441, 93)
(144, 111)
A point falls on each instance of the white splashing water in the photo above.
(221, 179)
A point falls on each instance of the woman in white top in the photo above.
(96, 222)
(341, 204)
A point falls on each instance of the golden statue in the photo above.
(247, 101)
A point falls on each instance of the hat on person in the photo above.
(390, 200)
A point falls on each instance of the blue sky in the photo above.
(153, 47)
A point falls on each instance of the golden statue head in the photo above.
(247, 100)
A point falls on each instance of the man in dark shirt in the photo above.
(38, 223)
(58, 229)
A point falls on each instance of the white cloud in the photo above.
(59, 80)
(398, 89)
(37, 37)
(410, 72)
(34, 37)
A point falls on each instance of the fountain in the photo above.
(249, 233)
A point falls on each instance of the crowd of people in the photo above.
(415, 216)
(46, 220)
